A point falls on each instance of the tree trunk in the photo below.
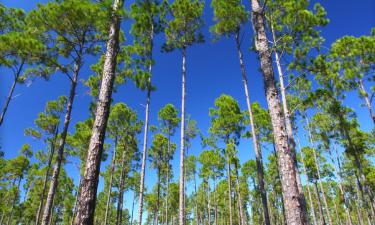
(258, 154)
(366, 98)
(167, 191)
(87, 197)
(76, 201)
(113, 164)
(215, 199)
(208, 203)
(229, 190)
(182, 145)
(240, 203)
(145, 135)
(338, 219)
(338, 174)
(309, 192)
(288, 122)
(322, 219)
(316, 162)
(295, 212)
(156, 222)
(196, 201)
(46, 176)
(121, 190)
(61, 148)
(10, 94)
(14, 202)
(131, 218)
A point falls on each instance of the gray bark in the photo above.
(229, 190)
(46, 176)
(87, 197)
(10, 94)
(61, 148)
(321, 213)
(366, 98)
(258, 154)
(295, 212)
(182, 145)
(113, 163)
(288, 121)
(145, 136)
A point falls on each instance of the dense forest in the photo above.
(299, 156)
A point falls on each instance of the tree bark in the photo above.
(61, 148)
(145, 135)
(240, 203)
(229, 190)
(10, 94)
(308, 191)
(46, 176)
(366, 98)
(182, 145)
(113, 164)
(158, 200)
(131, 218)
(316, 162)
(121, 190)
(87, 197)
(341, 188)
(14, 202)
(288, 121)
(258, 154)
(196, 201)
(322, 219)
(295, 212)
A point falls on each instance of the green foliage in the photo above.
(184, 27)
(226, 119)
(229, 15)
(168, 116)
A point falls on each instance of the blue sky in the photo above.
(212, 69)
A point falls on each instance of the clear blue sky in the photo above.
(212, 69)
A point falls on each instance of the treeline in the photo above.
(320, 164)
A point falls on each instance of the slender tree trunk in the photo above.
(208, 203)
(364, 94)
(338, 219)
(182, 145)
(215, 199)
(322, 219)
(61, 148)
(87, 197)
(338, 174)
(359, 214)
(316, 162)
(145, 133)
(240, 202)
(196, 201)
(363, 199)
(295, 212)
(229, 190)
(308, 186)
(76, 201)
(167, 191)
(10, 94)
(113, 164)
(46, 176)
(121, 190)
(258, 154)
(14, 202)
(131, 218)
(156, 219)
